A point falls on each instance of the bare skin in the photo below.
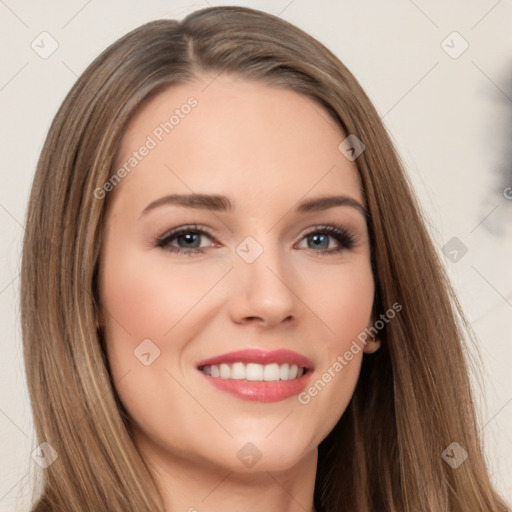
(266, 149)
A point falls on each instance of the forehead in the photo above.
(240, 138)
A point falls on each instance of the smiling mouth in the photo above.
(254, 372)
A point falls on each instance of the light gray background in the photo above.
(449, 117)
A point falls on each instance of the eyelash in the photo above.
(341, 234)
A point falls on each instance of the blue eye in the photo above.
(188, 239)
(319, 237)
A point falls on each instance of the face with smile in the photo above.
(264, 268)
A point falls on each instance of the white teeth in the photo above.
(254, 371)
(237, 371)
(225, 371)
(271, 372)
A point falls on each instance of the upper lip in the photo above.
(260, 357)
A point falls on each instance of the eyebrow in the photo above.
(220, 203)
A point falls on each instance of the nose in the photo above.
(263, 291)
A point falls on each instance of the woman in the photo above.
(308, 357)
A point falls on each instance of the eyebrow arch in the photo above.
(221, 203)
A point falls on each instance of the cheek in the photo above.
(149, 312)
(152, 311)
(147, 299)
(343, 300)
(344, 306)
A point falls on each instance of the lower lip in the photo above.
(260, 391)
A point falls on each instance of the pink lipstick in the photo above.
(264, 376)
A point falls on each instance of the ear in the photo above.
(372, 342)
(371, 346)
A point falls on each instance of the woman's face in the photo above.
(270, 272)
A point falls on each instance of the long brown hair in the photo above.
(413, 398)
